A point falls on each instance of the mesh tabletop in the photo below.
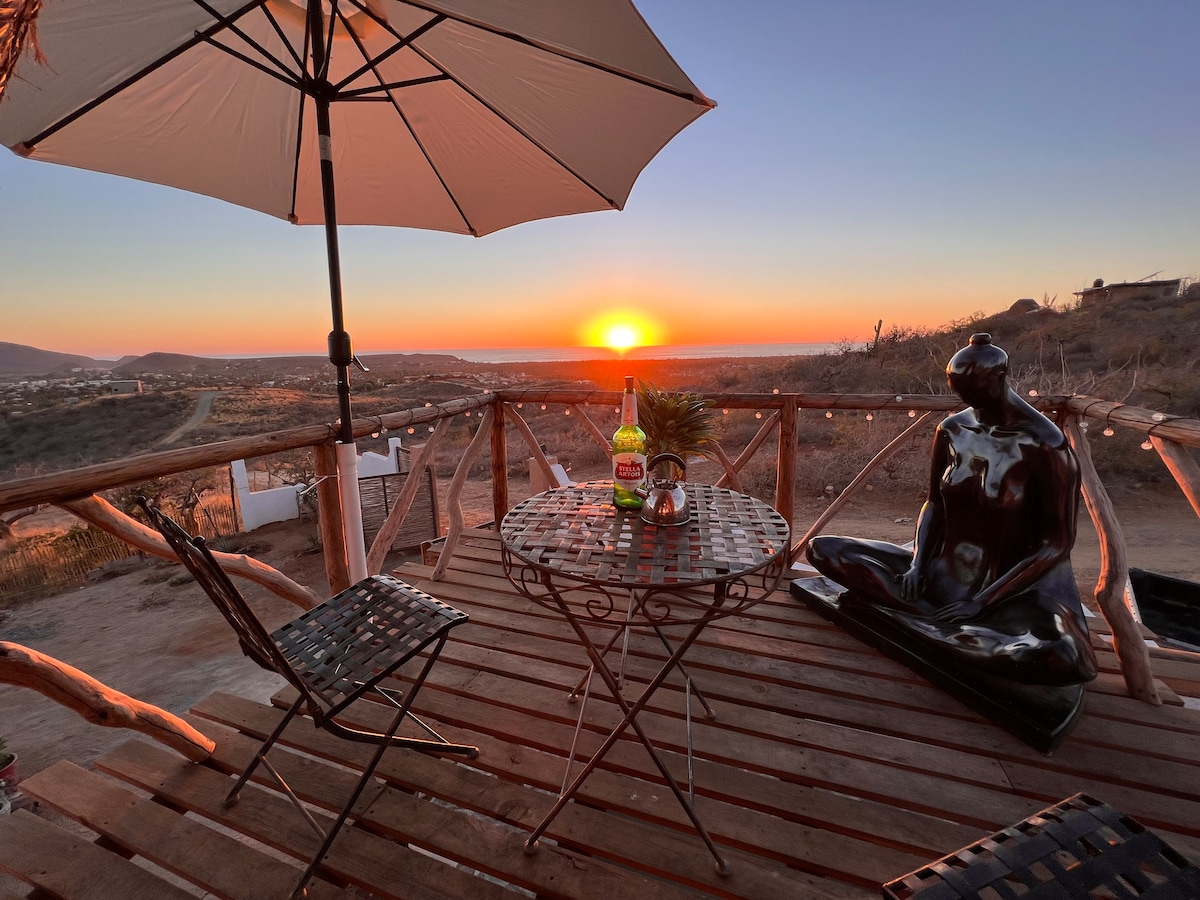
(577, 533)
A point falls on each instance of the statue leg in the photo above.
(868, 569)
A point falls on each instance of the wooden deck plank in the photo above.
(790, 842)
(861, 708)
(64, 865)
(475, 842)
(363, 859)
(214, 861)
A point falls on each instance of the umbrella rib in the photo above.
(518, 130)
(402, 41)
(371, 64)
(197, 38)
(283, 37)
(266, 54)
(492, 109)
(359, 93)
(698, 99)
(282, 74)
(300, 96)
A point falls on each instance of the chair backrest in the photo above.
(193, 552)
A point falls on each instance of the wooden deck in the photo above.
(829, 770)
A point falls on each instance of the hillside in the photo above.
(18, 359)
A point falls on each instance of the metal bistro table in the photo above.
(573, 551)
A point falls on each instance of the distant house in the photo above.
(125, 387)
(1127, 291)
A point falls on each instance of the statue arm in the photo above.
(930, 521)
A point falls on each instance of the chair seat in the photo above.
(357, 637)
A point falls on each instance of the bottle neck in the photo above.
(629, 409)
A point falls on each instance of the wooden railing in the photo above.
(1170, 436)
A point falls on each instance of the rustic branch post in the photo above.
(730, 477)
(454, 495)
(97, 702)
(499, 464)
(785, 459)
(104, 515)
(329, 517)
(535, 449)
(751, 448)
(1114, 572)
(592, 429)
(852, 488)
(408, 493)
(1182, 467)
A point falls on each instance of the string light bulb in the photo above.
(870, 417)
(1108, 431)
(412, 431)
(1033, 392)
(829, 413)
(725, 411)
(1147, 444)
(912, 413)
(758, 415)
(1159, 417)
(775, 390)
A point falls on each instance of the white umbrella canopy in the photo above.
(465, 116)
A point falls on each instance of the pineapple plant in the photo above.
(675, 422)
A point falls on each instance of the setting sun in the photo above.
(621, 337)
(620, 331)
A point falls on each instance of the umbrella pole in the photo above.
(341, 352)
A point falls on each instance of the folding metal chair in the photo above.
(333, 655)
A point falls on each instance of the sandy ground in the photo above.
(155, 635)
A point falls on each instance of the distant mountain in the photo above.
(162, 363)
(261, 366)
(18, 359)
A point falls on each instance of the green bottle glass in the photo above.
(629, 453)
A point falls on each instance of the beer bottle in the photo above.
(629, 453)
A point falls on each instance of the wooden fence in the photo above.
(43, 566)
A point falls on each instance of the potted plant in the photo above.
(8, 764)
(675, 422)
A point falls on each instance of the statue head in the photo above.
(978, 372)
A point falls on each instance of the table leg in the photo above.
(630, 721)
(709, 712)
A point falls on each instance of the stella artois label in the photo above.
(629, 470)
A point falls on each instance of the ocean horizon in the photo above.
(582, 354)
(579, 354)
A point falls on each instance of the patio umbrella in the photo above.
(465, 116)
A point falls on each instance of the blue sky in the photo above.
(913, 162)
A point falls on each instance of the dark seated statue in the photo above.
(987, 587)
